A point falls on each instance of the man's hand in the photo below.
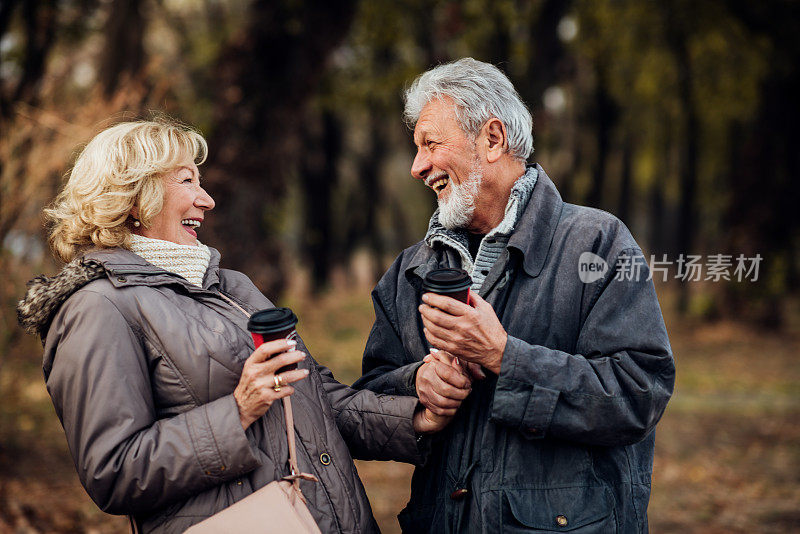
(441, 384)
(471, 333)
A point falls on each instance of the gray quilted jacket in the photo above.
(141, 366)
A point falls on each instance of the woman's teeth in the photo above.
(191, 222)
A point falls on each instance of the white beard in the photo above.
(457, 209)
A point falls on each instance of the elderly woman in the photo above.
(168, 407)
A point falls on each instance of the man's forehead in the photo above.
(437, 114)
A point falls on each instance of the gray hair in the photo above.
(480, 91)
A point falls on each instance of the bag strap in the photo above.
(287, 414)
(296, 475)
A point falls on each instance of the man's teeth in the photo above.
(191, 222)
(439, 183)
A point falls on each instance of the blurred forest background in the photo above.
(678, 116)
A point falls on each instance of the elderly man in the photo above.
(558, 369)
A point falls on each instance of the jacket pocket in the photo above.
(579, 510)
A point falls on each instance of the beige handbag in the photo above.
(277, 507)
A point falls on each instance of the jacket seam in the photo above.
(195, 438)
(542, 487)
(611, 275)
(394, 431)
(616, 398)
(213, 436)
(401, 417)
(159, 350)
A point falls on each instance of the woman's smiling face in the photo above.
(185, 204)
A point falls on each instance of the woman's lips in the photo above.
(190, 224)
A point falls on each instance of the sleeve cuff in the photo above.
(405, 444)
(220, 443)
(414, 450)
(410, 381)
(518, 401)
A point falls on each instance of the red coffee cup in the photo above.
(272, 324)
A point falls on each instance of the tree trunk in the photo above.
(39, 17)
(623, 207)
(657, 210)
(318, 177)
(366, 199)
(123, 55)
(687, 155)
(764, 186)
(605, 119)
(265, 79)
(548, 62)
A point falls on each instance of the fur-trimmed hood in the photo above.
(46, 294)
(35, 312)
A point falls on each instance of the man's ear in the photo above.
(496, 139)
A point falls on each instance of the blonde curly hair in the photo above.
(121, 167)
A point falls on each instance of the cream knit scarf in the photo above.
(191, 262)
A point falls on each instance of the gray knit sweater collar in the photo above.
(458, 239)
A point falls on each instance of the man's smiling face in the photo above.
(447, 161)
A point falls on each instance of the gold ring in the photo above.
(278, 383)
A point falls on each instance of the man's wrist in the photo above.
(497, 361)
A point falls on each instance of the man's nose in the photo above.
(421, 166)
(204, 200)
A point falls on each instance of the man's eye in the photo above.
(431, 145)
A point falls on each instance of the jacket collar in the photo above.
(532, 236)
(537, 225)
(122, 268)
(127, 268)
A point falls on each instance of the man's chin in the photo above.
(453, 220)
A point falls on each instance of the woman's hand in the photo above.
(425, 421)
(455, 386)
(442, 384)
(257, 388)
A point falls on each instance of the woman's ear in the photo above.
(496, 139)
(134, 212)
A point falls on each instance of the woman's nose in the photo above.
(204, 200)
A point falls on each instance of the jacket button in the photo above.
(561, 520)
(121, 279)
(325, 458)
(459, 494)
